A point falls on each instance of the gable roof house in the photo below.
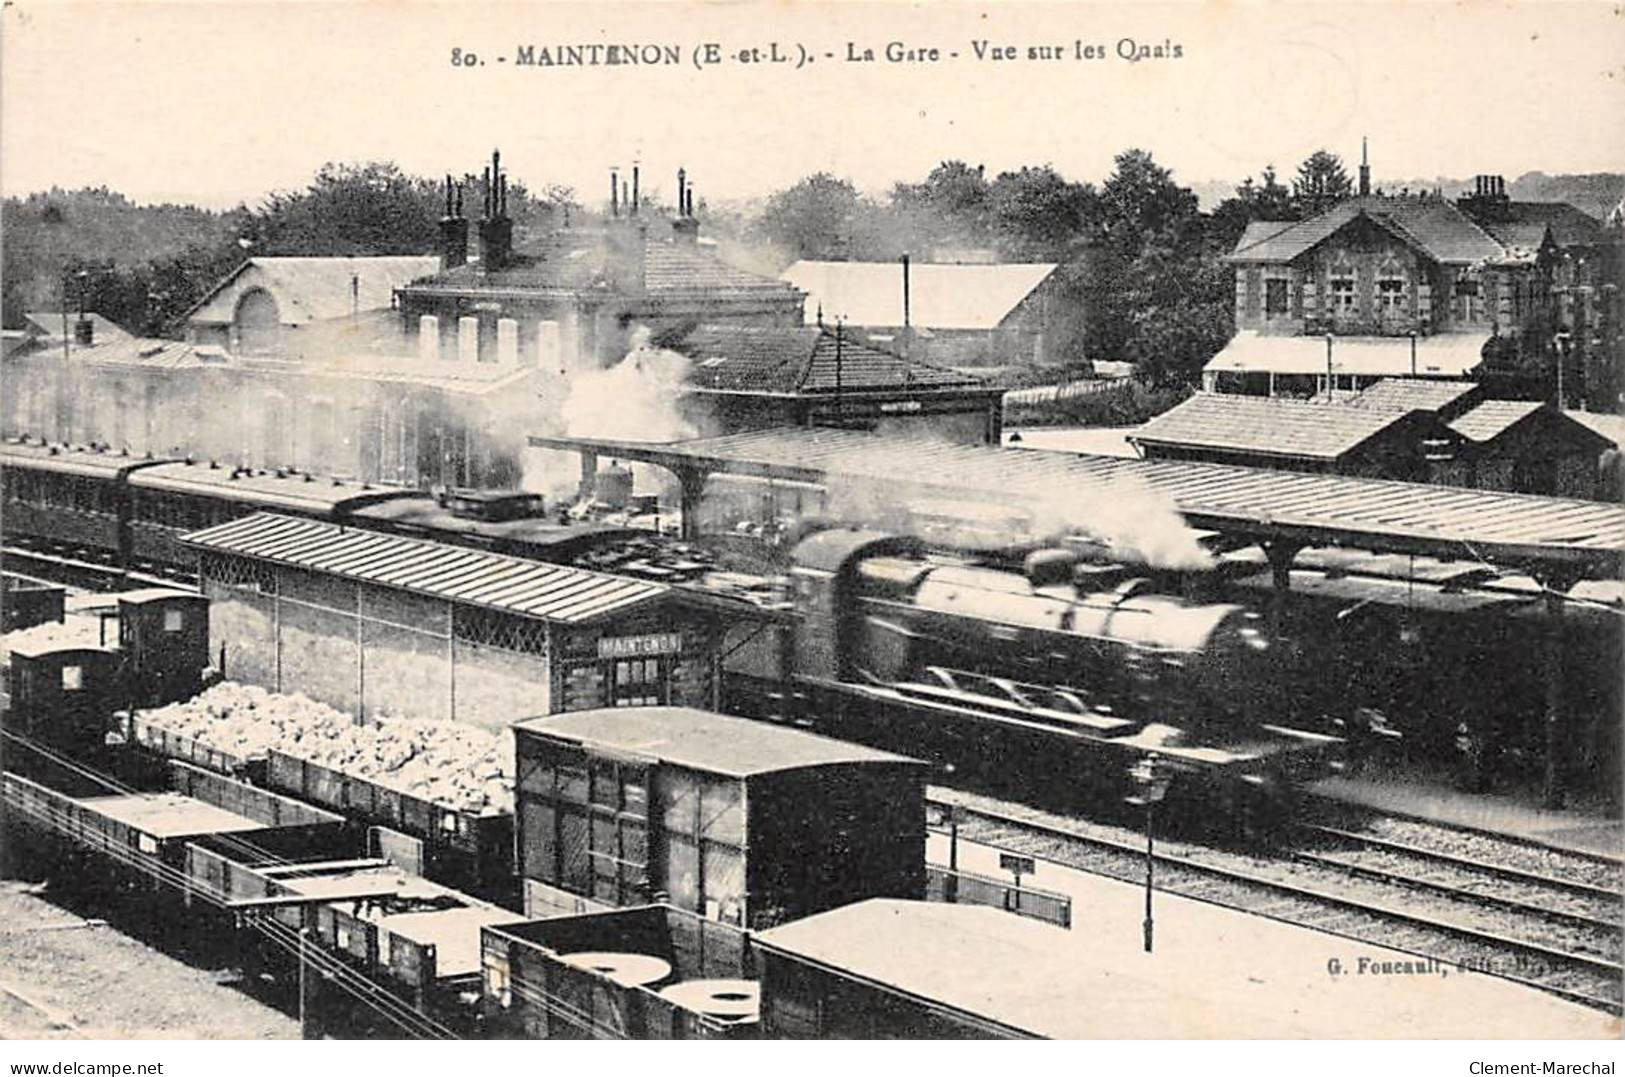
(1392, 286)
(278, 306)
(979, 315)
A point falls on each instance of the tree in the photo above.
(1037, 215)
(1266, 200)
(1321, 183)
(1140, 198)
(816, 218)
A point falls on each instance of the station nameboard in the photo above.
(640, 646)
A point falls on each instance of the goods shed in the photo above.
(743, 822)
(377, 624)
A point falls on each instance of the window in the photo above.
(1275, 297)
(1343, 293)
(1466, 286)
(1390, 287)
(1390, 294)
(73, 678)
(638, 682)
(174, 620)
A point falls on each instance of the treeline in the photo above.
(1141, 278)
(144, 267)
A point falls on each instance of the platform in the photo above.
(1504, 814)
(1217, 973)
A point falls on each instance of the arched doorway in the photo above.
(256, 324)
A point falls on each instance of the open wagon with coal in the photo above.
(461, 839)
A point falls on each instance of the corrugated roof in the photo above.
(940, 296)
(1446, 355)
(703, 740)
(1409, 394)
(1318, 510)
(804, 360)
(455, 573)
(1491, 418)
(315, 289)
(1273, 427)
(1432, 225)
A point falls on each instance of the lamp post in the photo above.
(943, 815)
(1151, 781)
(1562, 342)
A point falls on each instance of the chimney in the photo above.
(614, 194)
(453, 229)
(496, 229)
(468, 340)
(548, 356)
(507, 342)
(685, 229)
(1365, 168)
(634, 204)
(428, 338)
(84, 332)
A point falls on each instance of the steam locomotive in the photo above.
(1062, 675)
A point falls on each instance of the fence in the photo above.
(967, 888)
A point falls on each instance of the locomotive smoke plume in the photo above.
(1140, 525)
(639, 398)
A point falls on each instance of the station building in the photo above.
(376, 624)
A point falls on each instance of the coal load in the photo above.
(458, 767)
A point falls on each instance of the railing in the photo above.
(967, 888)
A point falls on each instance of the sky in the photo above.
(223, 102)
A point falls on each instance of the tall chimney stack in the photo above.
(1365, 168)
(634, 190)
(496, 230)
(614, 194)
(453, 229)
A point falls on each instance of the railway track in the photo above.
(1552, 933)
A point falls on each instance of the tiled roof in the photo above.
(1259, 231)
(940, 296)
(1522, 239)
(1611, 427)
(1251, 424)
(1407, 394)
(1432, 225)
(577, 260)
(315, 289)
(456, 573)
(1570, 226)
(1492, 418)
(48, 323)
(805, 360)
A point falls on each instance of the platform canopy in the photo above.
(1442, 355)
(1545, 535)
